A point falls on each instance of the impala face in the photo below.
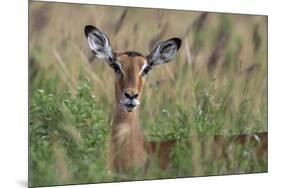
(130, 67)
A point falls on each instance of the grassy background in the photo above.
(217, 84)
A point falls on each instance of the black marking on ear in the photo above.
(150, 63)
(113, 59)
(88, 29)
(177, 41)
(100, 41)
(164, 51)
(133, 54)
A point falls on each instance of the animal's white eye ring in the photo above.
(146, 70)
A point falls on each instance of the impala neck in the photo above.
(127, 142)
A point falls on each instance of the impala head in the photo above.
(130, 67)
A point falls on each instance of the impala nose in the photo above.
(131, 94)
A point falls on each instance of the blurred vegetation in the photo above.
(217, 85)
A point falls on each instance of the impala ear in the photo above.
(99, 43)
(164, 52)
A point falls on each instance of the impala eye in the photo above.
(116, 68)
(146, 70)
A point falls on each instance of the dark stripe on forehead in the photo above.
(133, 54)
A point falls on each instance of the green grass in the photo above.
(67, 138)
(217, 84)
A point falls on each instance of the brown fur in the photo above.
(222, 145)
(127, 142)
(130, 80)
(162, 150)
(129, 150)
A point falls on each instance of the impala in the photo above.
(128, 149)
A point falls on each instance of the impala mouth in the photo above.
(130, 105)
